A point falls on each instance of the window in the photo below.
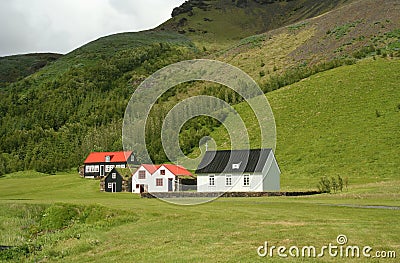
(110, 185)
(228, 180)
(159, 182)
(162, 172)
(123, 166)
(109, 168)
(92, 168)
(236, 166)
(246, 180)
(211, 180)
(142, 174)
(114, 175)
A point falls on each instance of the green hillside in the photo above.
(215, 24)
(341, 122)
(13, 68)
(357, 30)
(51, 120)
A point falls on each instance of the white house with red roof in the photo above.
(158, 178)
(99, 164)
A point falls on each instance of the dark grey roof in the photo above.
(224, 161)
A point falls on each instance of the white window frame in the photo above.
(109, 168)
(211, 178)
(246, 180)
(228, 180)
(114, 175)
(91, 168)
(110, 185)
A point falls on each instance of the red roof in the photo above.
(151, 168)
(177, 169)
(115, 157)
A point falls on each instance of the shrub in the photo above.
(14, 253)
(58, 216)
(324, 185)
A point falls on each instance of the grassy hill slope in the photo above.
(353, 31)
(52, 119)
(13, 68)
(341, 122)
(216, 24)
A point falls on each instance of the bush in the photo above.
(326, 185)
(58, 216)
(14, 253)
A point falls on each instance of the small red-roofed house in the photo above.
(158, 178)
(99, 164)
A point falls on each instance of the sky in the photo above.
(60, 26)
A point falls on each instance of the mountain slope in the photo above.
(362, 28)
(13, 68)
(52, 119)
(341, 122)
(216, 24)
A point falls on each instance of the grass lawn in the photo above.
(122, 227)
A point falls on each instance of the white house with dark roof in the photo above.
(238, 171)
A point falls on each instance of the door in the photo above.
(114, 187)
(170, 182)
(143, 188)
(101, 170)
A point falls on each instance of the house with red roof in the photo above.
(99, 164)
(158, 178)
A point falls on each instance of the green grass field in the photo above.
(341, 122)
(69, 219)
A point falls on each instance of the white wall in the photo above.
(271, 172)
(164, 187)
(237, 183)
(268, 180)
(150, 180)
(136, 180)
